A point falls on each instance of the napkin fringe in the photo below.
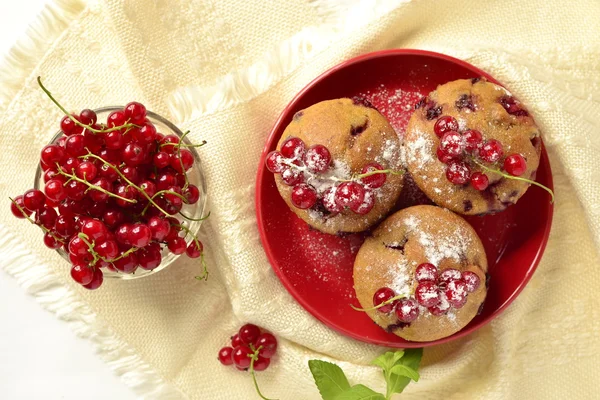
(26, 53)
(63, 301)
(245, 84)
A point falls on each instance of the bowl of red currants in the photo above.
(118, 193)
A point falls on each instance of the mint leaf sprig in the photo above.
(399, 368)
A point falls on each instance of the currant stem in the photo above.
(194, 219)
(90, 246)
(43, 228)
(517, 178)
(184, 144)
(204, 275)
(73, 177)
(128, 181)
(375, 172)
(75, 120)
(160, 192)
(254, 357)
(181, 161)
(385, 303)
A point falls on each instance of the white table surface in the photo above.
(40, 357)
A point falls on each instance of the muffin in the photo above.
(425, 267)
(463, 131)
(321, 159)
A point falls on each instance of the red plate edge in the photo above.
(258, 199)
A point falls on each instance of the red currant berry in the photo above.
(292, 176)
(328, 201)
(261, 363)
(51, 242)
(116, 118)
(241, 356)
(515, 164)
(88, 117)
(75, 145)
(274, 162)
(133, 154)
(445, 124)
(491, 151)
(443, 157)
(69, 127)
(268, 344)
(194, 249)
(127, 192)
(159, 228)
(376, 180)
(34, 199)
(108, 171)
(87, 170)
(78, 247)
(113, 217)
(407, 310)
(367, 204)
(46, 217)
(127, 264)
(249, 333)
(75, 190)
(456, 292)
(192, 194)
(95, 230)
(135, 112)
(96, 281)
(350, 194)
(82, 274)
(293, 148)
(183, 161)
(226, 355)
(458, 173)
(512, 106)
(426, 272)
(107, 249)
(52, 154)
(145, 134)
(448, 275)
(161, 159)
(15, 210)
(165, 180)
(100, 196)
(93, 142)
(472, 280)
(236, 341)
(479, 181)
(177, 245)
(382, 295)
(441, 308)
(427, 294)
(150, 257)
(473, 140)
(303, 196)
(139, 235)
(69, 165)
(452, 144)
(317, 158)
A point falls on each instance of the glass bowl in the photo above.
(195, 177)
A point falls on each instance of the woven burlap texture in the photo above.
(225, 69)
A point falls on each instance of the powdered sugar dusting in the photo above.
(439, 247)
(399, 276)
(420, 151)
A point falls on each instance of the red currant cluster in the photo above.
(455, 149)
(111, 194)
(437, 292)
(249, 346)
(301, 168)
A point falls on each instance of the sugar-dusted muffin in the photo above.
(319, 156)
(459, 127)
(433, 263)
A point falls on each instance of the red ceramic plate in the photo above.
(316, 268)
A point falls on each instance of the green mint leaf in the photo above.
(406, 371)
(388, 360)
(360, 392)
(330, 379)
(396, 382)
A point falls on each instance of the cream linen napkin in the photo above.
(225, 69)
